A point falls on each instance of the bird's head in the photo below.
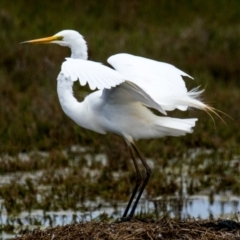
(66, 38)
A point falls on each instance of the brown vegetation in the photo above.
(166, 229)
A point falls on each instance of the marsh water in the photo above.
(53, 195)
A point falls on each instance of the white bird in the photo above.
(125, 94)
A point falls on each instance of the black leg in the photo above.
(138, 183)
(148, 173)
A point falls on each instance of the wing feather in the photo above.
(128, 92)
(93, 73)
(162, 81)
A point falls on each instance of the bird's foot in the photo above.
(124, 219)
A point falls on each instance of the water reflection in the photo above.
(194, 207)
(199, 207)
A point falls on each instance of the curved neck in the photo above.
(68, 102)
(79, 49)
(72, 108)
(79, 112)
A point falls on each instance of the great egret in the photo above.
(121, 104)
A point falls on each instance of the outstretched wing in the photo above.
(93, 73)
(107, 79)
(162, 81)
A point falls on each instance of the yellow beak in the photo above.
(44, 40)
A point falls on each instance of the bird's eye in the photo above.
(60, 38)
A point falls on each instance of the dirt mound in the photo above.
(136, 229)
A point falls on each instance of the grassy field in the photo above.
(199, 37)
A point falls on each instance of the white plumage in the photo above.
(101, 77)
(121, 105)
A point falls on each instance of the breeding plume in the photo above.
(123, 99)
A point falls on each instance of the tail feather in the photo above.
(193, 99)
(166, 126)
(193, 102)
